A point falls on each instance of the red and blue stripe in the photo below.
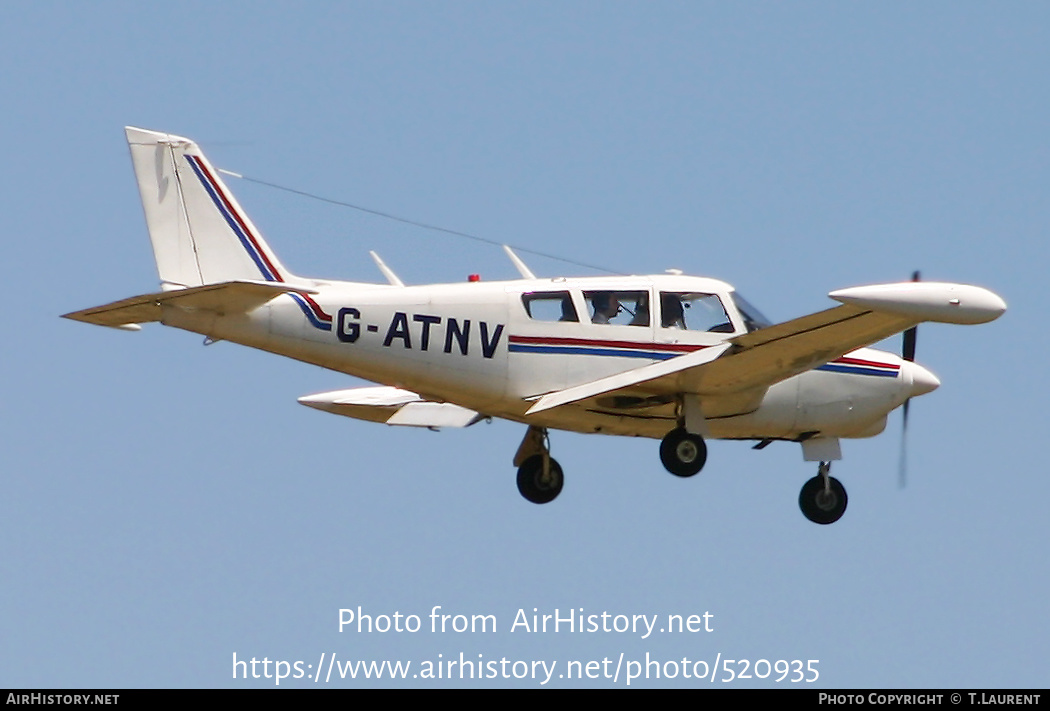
(251, 244)
(589, 346)
(859, 366)
(666, 351)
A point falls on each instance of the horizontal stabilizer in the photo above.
(393, 406)
(227, 298)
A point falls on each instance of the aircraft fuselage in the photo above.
(495, 346)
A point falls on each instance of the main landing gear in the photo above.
(823, 498)
(683, 453)
(539, 476)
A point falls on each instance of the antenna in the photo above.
(525, 272)
(387, 271)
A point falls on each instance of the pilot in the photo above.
(671, 314)
(606, 306)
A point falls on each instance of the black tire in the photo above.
(683, 453)
(820, 506)
(531, 484)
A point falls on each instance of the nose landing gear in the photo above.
(823, 498)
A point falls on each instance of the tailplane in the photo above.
(199, 232)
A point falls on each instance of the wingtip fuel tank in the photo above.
(927, 301)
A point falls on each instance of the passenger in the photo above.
(606, 306)
(641, 311)
(568, 311)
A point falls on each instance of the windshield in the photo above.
(753, 318)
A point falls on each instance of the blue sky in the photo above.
(167, 505)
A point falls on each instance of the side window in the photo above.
(549, 306)
(620, 308)
(694, 312)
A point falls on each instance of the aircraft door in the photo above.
(546, 325)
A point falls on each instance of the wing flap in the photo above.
(227, 297)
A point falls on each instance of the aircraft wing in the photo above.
(393, 406)
(757, 359)
(767, 356)
(868, 314)
(226, 297)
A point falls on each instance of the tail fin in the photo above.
(199, 232)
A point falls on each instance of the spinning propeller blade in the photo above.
(908, 353)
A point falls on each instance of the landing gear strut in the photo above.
(823, 498)
(539, 476)
(683, 453)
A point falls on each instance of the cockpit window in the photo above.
(753, 318)
(619, 308)
(694, 312)
(550, 306)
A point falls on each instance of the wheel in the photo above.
(821, 506)
(532, 484)
(683, 453)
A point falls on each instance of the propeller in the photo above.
(908, 354)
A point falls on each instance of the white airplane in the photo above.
(676, 358)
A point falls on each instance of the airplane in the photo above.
(677, 358)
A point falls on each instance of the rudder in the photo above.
(199, 232)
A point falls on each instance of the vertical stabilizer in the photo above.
(199, 232)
